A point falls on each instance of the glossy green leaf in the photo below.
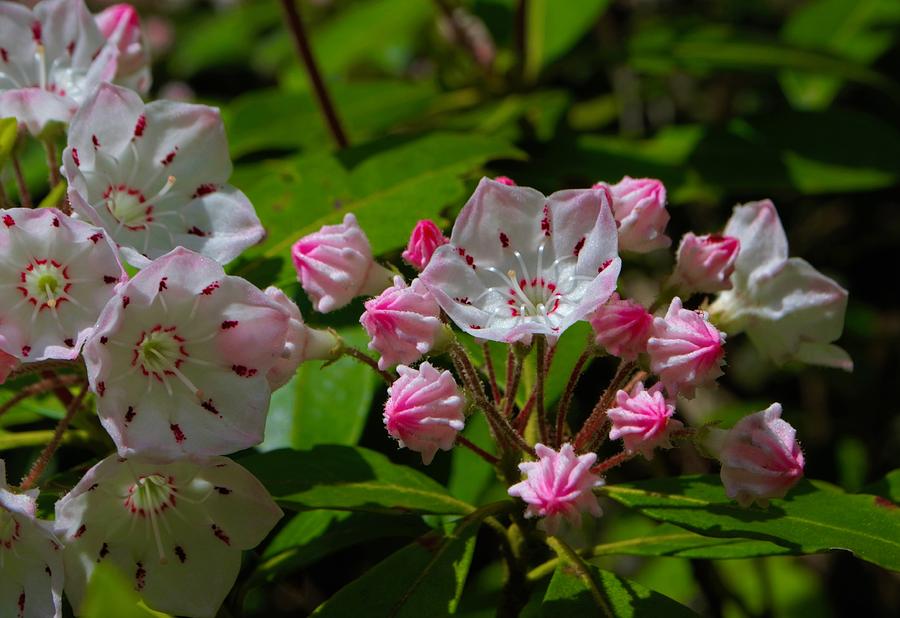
(470, 475)
(888, 487)
(346, 478)
(814, 517)
(553, 28)
(110, 593)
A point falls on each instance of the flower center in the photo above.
(151, 495)
(129, 207)
(9, 529)
(160, 353)
(538, 297)
(45, 283)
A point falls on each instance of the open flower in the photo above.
(787, 308)
(705, 263)
(520, 264)
(180, 357)
(154, 177)
(176, 529)
(57, 274)
(643, 419)
(761, 458)
(425, 238)
(31, 561)
(121, 25)
(639, 205)
(559, 487)
(424, 410)
(622, 327)
(52, 58)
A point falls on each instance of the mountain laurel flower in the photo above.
(121, 25)
(58, 273)
(52, 58)
(639, 205)
(643, 419)
(154, 177)
(424, 410)
(705, 263)
(686, 351)
(425, 238)
(559, 487)
(761, 458)
(31, 558)
(176, 530)
(302, 343)
(788, 309)
(520, 264)
(622, 327)
(180, 358)
(335, 265)
(403, 322)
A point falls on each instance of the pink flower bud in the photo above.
(643, 419)
(301, 344)
(760, 455)
(622, 327)
(8, 363)
(505, 180)
(335, 265)
(403, 322)
(639, 206)
(424, 410)
(425, 238)
(559, 486)
(121, 25)
(705, 263)
(686, 351)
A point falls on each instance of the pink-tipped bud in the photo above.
(622, 327)
(425, 238)
(686, 351)
(705, 263)
(639, 206)
(335, 265)
(7, 364)
(761, 458)
(558, 487)
(505, 180)
(424, 410)
(403, 323)
(122, 24)
(643, 419)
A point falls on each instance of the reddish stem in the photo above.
(492, 375)
(44, 458)
(540, 377)
(562, 409)
(477, 450)
(592, 427)
(612, 462)
(37, 388)
(371, 362)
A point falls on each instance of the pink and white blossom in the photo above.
(787, 308)
(31, 561)
(558, 487)
(639, 205)
(622, 326)
(643, 419)
(52, 58)
(335, 265)
(424, 410)
(121, 25)
(425, 238)
(686, 351)
(705, 263)
(403, 323)
(180, 359)
(520, 264)
(761, 458)
(177, 530)
(155, 177)
(302, 343)
(57, 273)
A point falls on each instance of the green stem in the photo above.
(569, 555)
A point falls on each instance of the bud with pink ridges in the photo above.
(559, 487)
(58, 273)
(686, 351)
(639, 205)
(705, 263)
(302, 343)
(643, 419)
(424, 410)
(335, 265)
(180, 358)
(121, 24)
(622, 327)
(403, 323)
(761, 458)
(425, 238)
(176, 530)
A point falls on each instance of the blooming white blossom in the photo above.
(154, 176)
(520, 264)
(176, 530)
(787, 308)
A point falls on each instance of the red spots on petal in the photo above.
(101, 388)
(167, 160)
(130, 414)
(229, 324)
(212, 287)
(95, 237)
(504, 240)
(21, 604)
(95, 141)
(26, 350)
(210, 407)
(55, 222)
(196, 231)
(140, 576)
(177, 433)
(578, 247)
(81, 530)
(125, 301)
(220, 534)
(182, 556)
(163, 285)
(604, 266)
(463, 300)
(243, 371)
(104, 552)
(8, 221)
(69, 343)
(108, 280)
(545, 221)
(139, 126)
(475, 326)
(205, 189)
(4, 55)
(93, 487)
(104, 340)
(222, 490)
(75, 157)
(36, 31)
(70, 48)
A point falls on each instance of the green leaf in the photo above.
(23, 439)
(888, 487)
(814, 517)
(346, 478)
(554, 27)
(317, 407)
(8, 133)
(54, 197)
(110, 593)
(470, 475)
